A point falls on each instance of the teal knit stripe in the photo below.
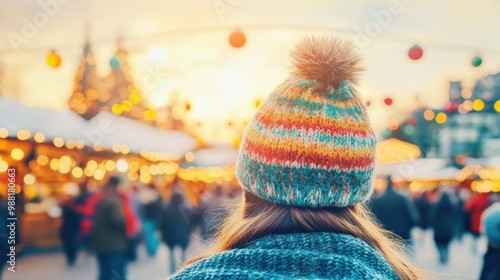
(315, 136)
(304, 186)
(283, 104)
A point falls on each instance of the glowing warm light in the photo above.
(42, 160)
(394, 126)
(189, 157)
(133, 166)
(124, 149)
(466, 93)
(54, 164)
(17, 154)
(4, 133)
(3, 166)
(65, 161)
(145, 178)
(429, 115)
(132, 176)
(117, 109)
(461, 109)
(110, 165)
(23, 134)
(134, 97)
(441, 118)
(127, 106)
(77, 172)
(99, 174)
(478, 105)
(80, 144)
(29, 179)
(39, 137)
(415, 186)
(71, 144)
(88, 172)
(92, 165)
(153, 169)
(115, 148)
(158, 55)
(467, 105)
(394, 150)
(121, 165)
(497, 106)
(58, 142)
(150, 115)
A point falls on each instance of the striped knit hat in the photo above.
(310, 143)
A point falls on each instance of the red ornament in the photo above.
(388, 101)
(415, 53)
(451, 107)
(368, 103)
(412, 121)
(237, 39)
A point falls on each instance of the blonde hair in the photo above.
(256, 217)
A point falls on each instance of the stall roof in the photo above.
(105, 129)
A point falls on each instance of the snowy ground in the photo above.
(464, 264)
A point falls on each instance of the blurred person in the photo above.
(109, 233)
(395, 212)
(443, 221)
(423, 206)
(4, 234)
(132, 207)
(70, 229)
(213, 212)
(306, 163)
(176, 227)
(491, 229)
(151, 218)
(475, 207)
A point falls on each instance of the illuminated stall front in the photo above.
(53, 152)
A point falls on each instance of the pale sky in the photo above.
(222, 82)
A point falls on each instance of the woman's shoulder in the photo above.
(292, 256)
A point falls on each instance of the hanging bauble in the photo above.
(237, 39)
(53, 59)
(368, 103)
(115, 62)
(451, 107)
(188, 107)
(412, 121)
(388, 101)
(477, 61)
(415, 52)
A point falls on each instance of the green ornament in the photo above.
(477, 61)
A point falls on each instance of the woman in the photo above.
(306, 164)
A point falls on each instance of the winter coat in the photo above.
(396, 213)
(318, 255)
(443, 219)
(491, 269)
(109, 231)
(175, 223)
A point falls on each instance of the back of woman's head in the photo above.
(307, 158)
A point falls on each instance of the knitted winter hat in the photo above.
(310, 143)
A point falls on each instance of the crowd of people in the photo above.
(112, 223)
(448, 212)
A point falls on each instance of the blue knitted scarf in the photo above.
(318, 255)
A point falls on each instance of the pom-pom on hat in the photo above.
(310, 144)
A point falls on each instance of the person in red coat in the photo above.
(475, 207)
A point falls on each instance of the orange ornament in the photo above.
(237, 39)
(53, 59)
